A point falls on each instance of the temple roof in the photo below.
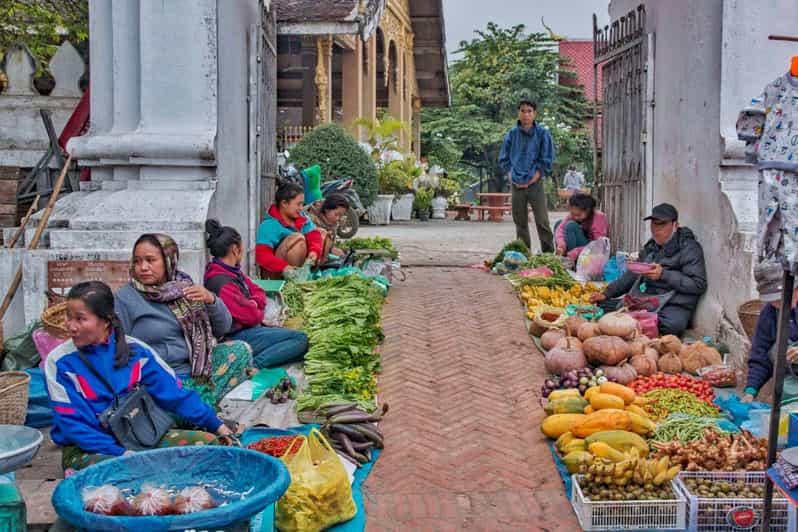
(330, 17)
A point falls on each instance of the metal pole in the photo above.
(782, 338)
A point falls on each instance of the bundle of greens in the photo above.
(551, 261)
(342, 321)
(515, 245)
(370, 243)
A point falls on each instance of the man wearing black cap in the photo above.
(676, 280)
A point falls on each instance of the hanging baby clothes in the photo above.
(770, 126)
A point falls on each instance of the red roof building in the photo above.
(580, 56)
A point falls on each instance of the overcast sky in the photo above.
(571, 18)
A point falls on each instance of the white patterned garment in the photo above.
(771, 123)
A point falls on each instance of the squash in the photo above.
(590, 391)
(588, 330)
(575, 460)
(577, 444)
(624, 392)
(550, 338)
(569, 405)
(667, 344)
(670, 363)
(605, 450)
(623, 373)
(564, 439)
(637, 345)
(699, 355)
(645, 364)
(556, 395)
(621, 440)
(556, 425)
(562, 359)
(600, 401)
(604, 350)
(608, 419)
(619, 324)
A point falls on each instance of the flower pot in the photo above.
(403, 208)
(439, 205)
(423, 215)
(380, 210)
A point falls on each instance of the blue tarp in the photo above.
(356, 524)
(227, 472)
(40, 414)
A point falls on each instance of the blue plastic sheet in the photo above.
(738, 410)
(40, 413)
(356, 524)
(226, 472)
(561, 469)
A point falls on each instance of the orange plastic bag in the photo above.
(320, 494)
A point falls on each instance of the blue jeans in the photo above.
(273, 346)
(575, 236)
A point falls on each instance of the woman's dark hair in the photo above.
(220, 238)
(526, 101)
(586, 202)
(286, 191)
(149, 238)
(334, 201)
(99, 299)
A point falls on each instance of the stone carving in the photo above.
(20, 66)
(67, 67)
(323, 53)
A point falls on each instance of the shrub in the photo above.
(339, 156)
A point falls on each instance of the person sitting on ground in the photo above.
(287, 238)
(573, 180)
(769, 277)
(181, 320)
(78, 396)
(676, 281)
(326, 214)
(583, 225)
(246, 301)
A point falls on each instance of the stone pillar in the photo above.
(369, 111)
(324, 78)
(396, 89)
(353, 84)
(416, 147)
(308, 83)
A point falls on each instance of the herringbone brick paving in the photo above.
(463, 444)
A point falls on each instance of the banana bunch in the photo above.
(611, 467)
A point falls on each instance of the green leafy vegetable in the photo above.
(370, 243)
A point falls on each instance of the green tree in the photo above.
(383, 134)
(43, 24)
(497, 68)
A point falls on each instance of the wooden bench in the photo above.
(485, 209)
(463, 211)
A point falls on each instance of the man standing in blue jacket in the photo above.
(527, 154)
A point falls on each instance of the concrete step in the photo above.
(119, 240)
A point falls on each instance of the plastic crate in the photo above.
(666, 514)
(711, 514)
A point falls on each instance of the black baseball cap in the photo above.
(664, 212)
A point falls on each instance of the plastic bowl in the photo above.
(639, 267)
(243, 482)
(18, 446)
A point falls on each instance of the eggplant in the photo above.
(353, 434)
(362, 446)
(341, 437)
(371, 435)
(351, 417)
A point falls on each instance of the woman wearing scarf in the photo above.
(180, 321)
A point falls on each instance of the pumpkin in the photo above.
(670, 363)
(564, 341)
(618, 324)
(646, 363)
(573, 323)
(550, 338)
(667, 344)
(561, 360)
(609, 350)
(699, 355)
(623, 373)
(637, 345)
(545, 318)
(588, 330)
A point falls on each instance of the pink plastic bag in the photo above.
(649, 324)
(45, 343)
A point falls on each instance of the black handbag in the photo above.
(134, 419)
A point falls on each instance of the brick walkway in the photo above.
(462, 378)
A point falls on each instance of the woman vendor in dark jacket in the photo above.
(763, 347)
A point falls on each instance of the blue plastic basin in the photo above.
(243, 482)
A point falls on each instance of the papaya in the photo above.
(601, 401)
(637, 410)
(563, 440)
(556, 395)
(608, 419)
(556, 425)
(621, 440)
(569, 405)
(605, 450)
(641, 424)
(576, 444)
(619, 390)
(588, 410)
(590, 391)
(575, 460)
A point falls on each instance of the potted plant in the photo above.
(446, 189)
(390, 182)
(407, 171)
(423, 202)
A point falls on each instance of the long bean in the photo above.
(683, 429)
(669, 401)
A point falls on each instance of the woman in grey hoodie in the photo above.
(180, 320)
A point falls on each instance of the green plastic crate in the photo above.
(12, 509)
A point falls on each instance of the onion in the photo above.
(618, 324)
(622, 374)
(560, 360)
(550, 338)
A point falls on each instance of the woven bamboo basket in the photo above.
(749, 314)
(13, 397)
(54, 320)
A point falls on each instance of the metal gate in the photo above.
(623, 54)
(262, 120)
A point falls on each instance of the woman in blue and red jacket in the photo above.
(77, 396)
(246, 301)
(287, 238)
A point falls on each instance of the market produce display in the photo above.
(716, 451)
(554, 275)
(658, 381)
(580, 379)
(277, 446)
(370, 243)
(556, 296)
(713, 489)
(282, 391)
(351, 431)
(149, 501)
(683, 429)
(515, 245)
(342, 320)
(659, 404)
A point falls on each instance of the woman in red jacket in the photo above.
(246, 301)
